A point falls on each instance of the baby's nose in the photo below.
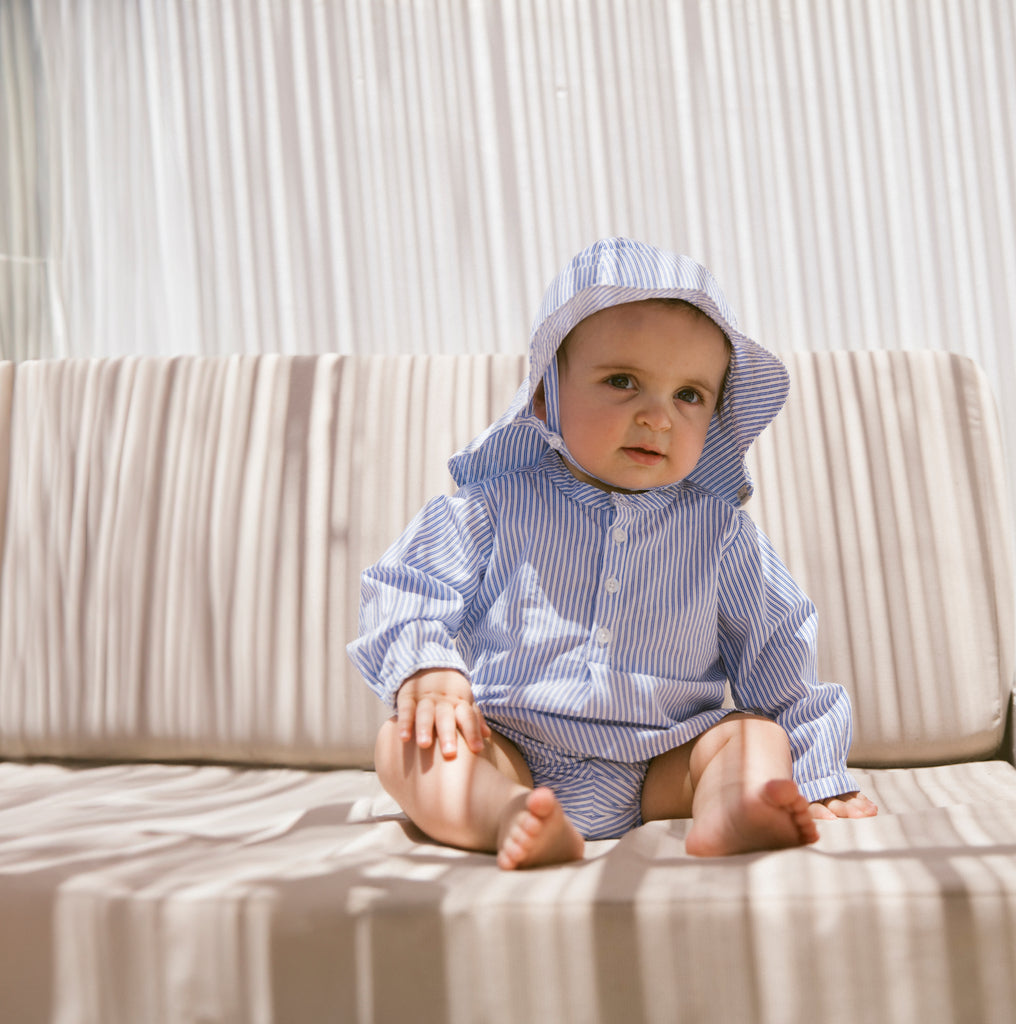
(655, 415)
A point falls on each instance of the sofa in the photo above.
(189, 827)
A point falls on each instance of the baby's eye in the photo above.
(621, 381)
(689, 395)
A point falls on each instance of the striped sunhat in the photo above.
(611, 272)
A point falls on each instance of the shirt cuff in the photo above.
(831, 785)
(429, 656)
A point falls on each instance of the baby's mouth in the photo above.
(644, 456)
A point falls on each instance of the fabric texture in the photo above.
(183, 543)
(886, 493)
(180, 893)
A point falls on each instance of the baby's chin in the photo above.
(623, 482)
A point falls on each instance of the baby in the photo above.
(557, 637)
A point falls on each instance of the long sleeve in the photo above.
(768, 644)
(413, 600)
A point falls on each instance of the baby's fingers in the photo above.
(848, 805)
(854, 805)
(447, 729)
(472, 725)
(438, 704)
(423, 725)
(405, 713)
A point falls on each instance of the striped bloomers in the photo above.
(602, 799)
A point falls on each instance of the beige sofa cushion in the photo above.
(883, 485)
(184, 537)
(184, 540)
(180, 893)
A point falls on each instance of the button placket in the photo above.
(607, 604)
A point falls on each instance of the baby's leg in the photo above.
(736, 780)
(476, 801)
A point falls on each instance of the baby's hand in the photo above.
(439, 702)
(847, 805)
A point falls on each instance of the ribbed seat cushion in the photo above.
(177, 893)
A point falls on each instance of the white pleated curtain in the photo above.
(406, 175)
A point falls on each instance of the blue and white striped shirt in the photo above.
(603, 624)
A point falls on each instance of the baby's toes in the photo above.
(541, 804)
(514, 849)
(806, 825)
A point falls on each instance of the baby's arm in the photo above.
(768, 645)
(439, 702)
(416, 597)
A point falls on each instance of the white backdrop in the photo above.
(401, 175)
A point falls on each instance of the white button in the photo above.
(612, 585)
(603, 637)
(555, 442)
(620, 535)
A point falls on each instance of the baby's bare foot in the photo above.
(535, 831)
(774, 816)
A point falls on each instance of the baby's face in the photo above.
(638, 386)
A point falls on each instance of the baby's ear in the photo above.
(540, 402)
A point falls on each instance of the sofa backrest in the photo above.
(182, 540)
(883, 484)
